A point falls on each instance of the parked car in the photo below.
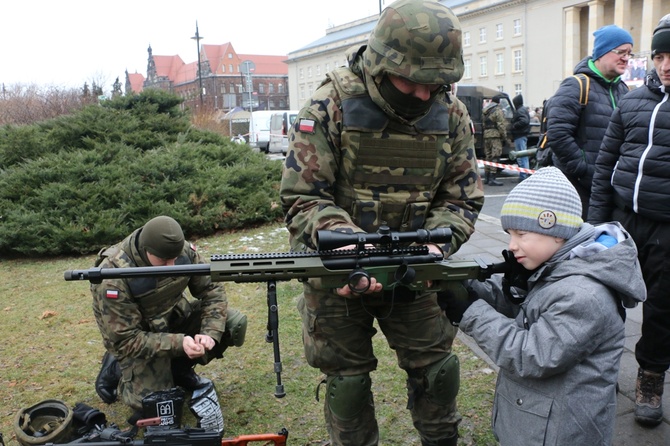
(280, 122)
(259, 129)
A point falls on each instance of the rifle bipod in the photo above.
(273, 334)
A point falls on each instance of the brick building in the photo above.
(224, 84)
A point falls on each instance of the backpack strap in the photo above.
(583, 89)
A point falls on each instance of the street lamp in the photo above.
(197, 39)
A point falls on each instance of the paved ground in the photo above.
(487, 243)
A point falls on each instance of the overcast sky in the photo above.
(65, 43)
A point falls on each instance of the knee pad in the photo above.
(442, 380)
(348, 395)
(236, 328)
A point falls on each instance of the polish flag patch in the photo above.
(112, 294)
(306, 125)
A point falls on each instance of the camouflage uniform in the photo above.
(354, 164)
(495, 132)
(143, 321)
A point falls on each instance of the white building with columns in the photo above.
(516, 46)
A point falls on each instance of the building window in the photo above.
(482, 35)
(318, 70)
(499, 31)
(517, 89)
(302, 92)
(240, 88)
(223, 88)
(518, 65)
(327, 67)
(231, 88)
(301, 74)
(271, 88)
(230, 68)
(500, 88)
(261, 88)
(500, 63)
(309, 71)
(483, 70)
(280, 88)
(517, 27)
(466, 38)
(467, 69)
(230, 55)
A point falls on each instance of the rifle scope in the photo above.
(328, 240)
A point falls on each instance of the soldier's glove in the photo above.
(516, 276)
(455, 302)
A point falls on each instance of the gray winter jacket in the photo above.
(559, 351)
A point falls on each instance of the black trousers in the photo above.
(652, 238)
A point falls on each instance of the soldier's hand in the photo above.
(191, 348)
(375, 287)
(205, 341)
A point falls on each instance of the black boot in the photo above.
(487, 177)
(446, 441)
(184, 376)
(107, 382)
(492, 180)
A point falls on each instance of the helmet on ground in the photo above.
(419, 40)
(49, 421)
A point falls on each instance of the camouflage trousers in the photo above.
(492, 150)
(142, 376)
(337, 338)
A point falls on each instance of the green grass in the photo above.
(51, 349)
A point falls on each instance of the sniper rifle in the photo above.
(400, 261)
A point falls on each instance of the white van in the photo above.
(259, 129)
(280, 122)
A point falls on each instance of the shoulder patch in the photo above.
(192, 247)
(112, 294)
(306, 125)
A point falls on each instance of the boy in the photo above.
(559, 343)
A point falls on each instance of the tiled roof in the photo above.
(136, 81)
(267, 65)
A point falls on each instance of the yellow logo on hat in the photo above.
(546, 219)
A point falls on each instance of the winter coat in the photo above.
(575, 134)
(520, 118)
(633, 167)
(559, 350)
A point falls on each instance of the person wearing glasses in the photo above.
(576, 130)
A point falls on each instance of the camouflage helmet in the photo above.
(419, 40)
(49, 421)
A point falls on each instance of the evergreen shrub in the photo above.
(77, 183)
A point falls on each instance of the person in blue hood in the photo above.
(555, 323)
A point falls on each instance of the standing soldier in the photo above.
(495, 133)
(383, 141)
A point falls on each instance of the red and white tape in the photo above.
(506, 166)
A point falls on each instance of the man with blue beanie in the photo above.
(574, 130)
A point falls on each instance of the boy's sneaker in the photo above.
(649, 397)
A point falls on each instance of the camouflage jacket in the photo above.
(351, 167)
(136, 315)
(495, 125)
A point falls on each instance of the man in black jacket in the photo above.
(637, 193)
(520, 131)
(575, 131)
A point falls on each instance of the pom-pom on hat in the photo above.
(545, 203)
(163, 237)
(607, 38)
(660, 42)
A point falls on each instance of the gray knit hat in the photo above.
(545, 203)
(163, 237)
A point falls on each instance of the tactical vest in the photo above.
(488, 122)
(388, 172)
(161, 301)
